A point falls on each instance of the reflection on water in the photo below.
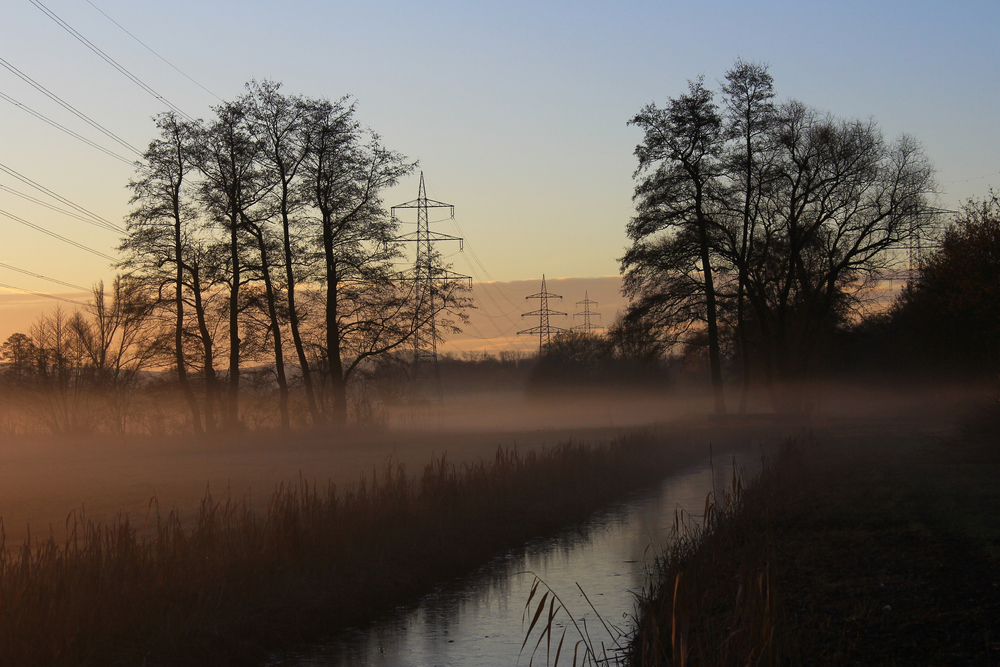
(477, 620)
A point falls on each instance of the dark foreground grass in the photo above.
(874, 543)
(242, 582)
(713, 599)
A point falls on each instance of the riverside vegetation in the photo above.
(241, 582)
(871, 543)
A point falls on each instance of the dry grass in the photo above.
(873, 544)
(241, 582)
(714, 598)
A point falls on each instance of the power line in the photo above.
(492, 318)
(427, 275)
(487, 287)
(486, 284)
(68, 131)
(148, 48)
(483, 338)
(98, 220)
(56, 208)
(489, 296)
(544, 329)
(108, 59)
(587, 326)
(47, 296)
(69, 107)
(38, 275)
(976, 178)
(475, 257)
(57, 236)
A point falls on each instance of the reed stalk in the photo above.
(240, 581)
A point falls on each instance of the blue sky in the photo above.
(517, 111)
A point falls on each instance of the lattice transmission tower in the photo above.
(915, 253)
(429, 276)
(544, 328)
(588, 326)
(923, 237)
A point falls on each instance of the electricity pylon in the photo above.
(544, 329)
(428, 276)
(587, 327)
(915, 253)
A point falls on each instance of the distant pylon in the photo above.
(587, 326)
(428, 275)
(544, 329)
(915, 254)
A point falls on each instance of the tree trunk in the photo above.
(743, 271)
(272, 313)
(293, 320)
(182, 377)
(211, 380)
(338, 384)
(714, 356)
(233, 402)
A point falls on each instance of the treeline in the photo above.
(573, 362)
(81, 372)
(258, 240)
(763, 228)
(945, 322)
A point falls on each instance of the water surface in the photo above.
(479, 620)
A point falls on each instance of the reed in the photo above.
(240, 582)
(713, 598)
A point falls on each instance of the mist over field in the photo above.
(44, 479)
(294, 400)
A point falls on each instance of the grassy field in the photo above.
(230, 582)
(43, 478)
(871, 542)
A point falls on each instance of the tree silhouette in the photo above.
(795, 211)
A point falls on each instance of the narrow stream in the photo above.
(477, 620)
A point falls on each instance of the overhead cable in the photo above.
(52, 207)
(38, 275)
(47, 296)
(976, 178)
(65, 129)
(489, 277)
(106, 58)
(57, 236)
(69, 107)
(98, 220)
(148, 48)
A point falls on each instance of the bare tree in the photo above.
(118, 340)
(59, 382)
(806, 209)
(679, 165)
(748, 93)
(285, 125)
(273, 207)
(841, 201)
(232, 184)
(346, 172)
(157, 244)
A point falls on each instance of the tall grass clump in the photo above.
(713, 597)
(241, 581)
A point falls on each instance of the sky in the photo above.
(516, 111)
